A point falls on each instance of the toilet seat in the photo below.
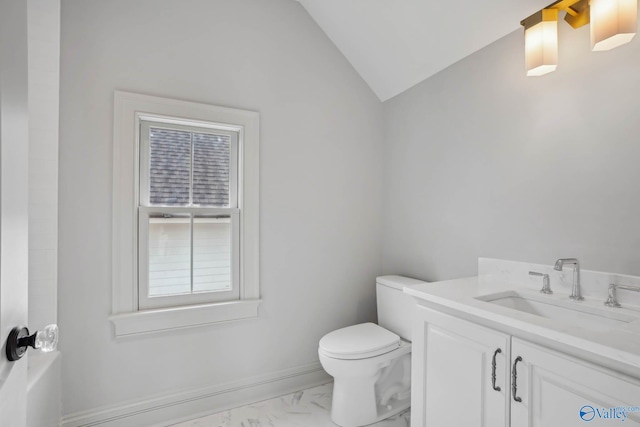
(358, 342)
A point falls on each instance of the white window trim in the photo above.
(127, 319)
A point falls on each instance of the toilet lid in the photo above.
(359, 342)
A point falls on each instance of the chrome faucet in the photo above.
(575, 291)
(612, 301)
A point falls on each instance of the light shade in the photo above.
(613, 23)
(541, 42)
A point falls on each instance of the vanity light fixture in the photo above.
(613, 23)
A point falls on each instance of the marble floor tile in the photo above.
(306, 408)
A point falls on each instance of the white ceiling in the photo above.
(395, 44)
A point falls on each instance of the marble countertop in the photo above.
(616, 347)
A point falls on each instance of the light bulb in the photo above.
(613, 23)
(541, 42)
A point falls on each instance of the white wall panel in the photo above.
(320, 182)
(44, 83)
(483, 161)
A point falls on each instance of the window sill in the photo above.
(167, 319)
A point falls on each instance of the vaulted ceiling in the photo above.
(395, 44)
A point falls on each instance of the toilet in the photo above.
(371, 364)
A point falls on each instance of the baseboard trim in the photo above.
(181, 406)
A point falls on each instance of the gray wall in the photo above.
(44, 105)
(320, 212)
(477, 161)
(483, 161)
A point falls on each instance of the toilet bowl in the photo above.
(371, 364)
(370, 384)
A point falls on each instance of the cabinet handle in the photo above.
(514, 379)
(493, 370)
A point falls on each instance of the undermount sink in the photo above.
(553, 307)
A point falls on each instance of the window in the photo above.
(188, 213)
(185, 188)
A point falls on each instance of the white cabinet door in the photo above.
(453, 372)
(560, 390)
(13, 204)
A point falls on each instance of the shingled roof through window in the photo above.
(170, 168)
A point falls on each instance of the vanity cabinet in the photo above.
(463, 376)
(454, 363)
(560, 390)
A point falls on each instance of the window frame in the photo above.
(127, 316)
(145, 209)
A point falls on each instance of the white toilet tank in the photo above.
(395, 308)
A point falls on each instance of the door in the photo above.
(13, 204)
(560, 390)
(465, 373)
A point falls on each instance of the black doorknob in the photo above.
(19, 341)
